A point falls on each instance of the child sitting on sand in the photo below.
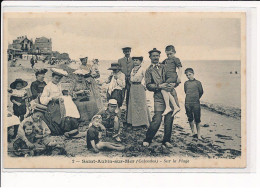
(41, 130)
(193, 90)
(20, 146)
(18, 97)
(171, 77)
(111, 120)
(94, 134)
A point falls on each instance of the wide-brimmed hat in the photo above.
(114, 66)
(40, 107)
(40, 71)
(154, 50)
(12, 120)
(13, 84)
(81, 72)
(60, 72)
(139, 58)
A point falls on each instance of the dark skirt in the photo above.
(53, 118)
(19, 110)
(87, 109)
(117, 95)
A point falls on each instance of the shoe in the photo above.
(195, 136)
(166, 111)
(118, 139)
(146, 144)
(176, 111)
(168, 145)
(165, 150)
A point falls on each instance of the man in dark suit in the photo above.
(126, 64)
(154, 78)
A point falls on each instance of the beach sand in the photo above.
(221, 127)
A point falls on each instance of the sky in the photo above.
(102, 35)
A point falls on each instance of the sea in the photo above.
(221, 80)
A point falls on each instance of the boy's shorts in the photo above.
(193, 112)
(171, 77)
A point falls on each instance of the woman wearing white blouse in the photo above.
(53, 98)
(138, 114)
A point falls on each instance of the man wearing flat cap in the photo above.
(154, 77)
(126, 64)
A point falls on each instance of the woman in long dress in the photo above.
(84, 96)
(138, 113)
(90, 78)
(57, 110)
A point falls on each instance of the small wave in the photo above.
(223, 110)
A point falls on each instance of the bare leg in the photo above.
(192, 128)
(166, 97)
(175, 106)
(116, 125)
(174, 94)
(117, 128)
(109, 145)
(198, 130)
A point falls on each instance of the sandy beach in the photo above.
(221, 127)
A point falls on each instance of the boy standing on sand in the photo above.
(193, 90)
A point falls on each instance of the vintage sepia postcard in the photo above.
(95, 90)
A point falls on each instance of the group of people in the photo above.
(57, 108)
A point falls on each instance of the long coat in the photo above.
(154, 77)
(127, 66)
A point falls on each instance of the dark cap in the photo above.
(126, 48)
(40, 71)
(154, 50)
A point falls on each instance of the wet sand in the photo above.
(221, 132)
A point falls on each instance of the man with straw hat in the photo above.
(116, 84)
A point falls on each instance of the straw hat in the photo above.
(112, 102)
(59, 71)
(114, 66)
(139, 58)
(81, 72)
